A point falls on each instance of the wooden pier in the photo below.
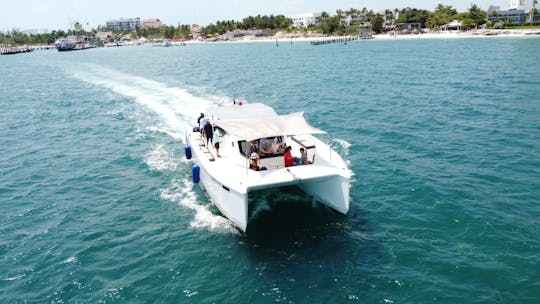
(15, 50)
(334, 40)
(11, 50)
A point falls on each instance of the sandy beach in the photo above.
(464, 34)
(286, 37)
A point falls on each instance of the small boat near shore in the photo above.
(68, 45)
(229, 179)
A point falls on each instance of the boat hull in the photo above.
(332, 191)
(230, 202)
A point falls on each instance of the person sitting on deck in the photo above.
(281, 145)
(287, 157)
(281, 148)
(254, 162)
(265, 147)
(253, 147)
(303, 157)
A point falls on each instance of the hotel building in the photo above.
(124, 24)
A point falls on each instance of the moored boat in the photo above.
(66, 45)
(229, 179)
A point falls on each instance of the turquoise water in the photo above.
(443, 137)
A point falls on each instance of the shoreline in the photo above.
(284, 38)
(468, 34)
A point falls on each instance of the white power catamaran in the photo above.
(229, 180)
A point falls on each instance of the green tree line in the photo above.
(17, 37)
(249, 23)
(334, 25)
(168, 32)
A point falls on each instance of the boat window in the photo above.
(276, 147)
(242, 145)
(303, 142)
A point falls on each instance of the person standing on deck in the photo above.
(199, 119)
(217, 138)
(208, 132)
(202, 123)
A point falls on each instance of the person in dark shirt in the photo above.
(208, 132)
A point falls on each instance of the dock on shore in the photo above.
(11, 50)
(334, 40)
(14, 50)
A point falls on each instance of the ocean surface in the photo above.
(443, 137)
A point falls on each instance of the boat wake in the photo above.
(181, 191)
(176, 107)
(342, 146)
(160, 159)
(176, 110)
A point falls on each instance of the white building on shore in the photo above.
(124, 24)
(525, 5)
(36, 31)
(517, 11)
(304, 20)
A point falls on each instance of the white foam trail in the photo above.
(71, 259)
(15, 278)
(181, 192)
(160, 159)
(345, 149)
(177, 108)
(345, 146)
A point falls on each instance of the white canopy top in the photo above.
(271, 126)
(251, 110)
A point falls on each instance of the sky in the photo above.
(61, 14)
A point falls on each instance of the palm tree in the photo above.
(321, 19)
(353, 12)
